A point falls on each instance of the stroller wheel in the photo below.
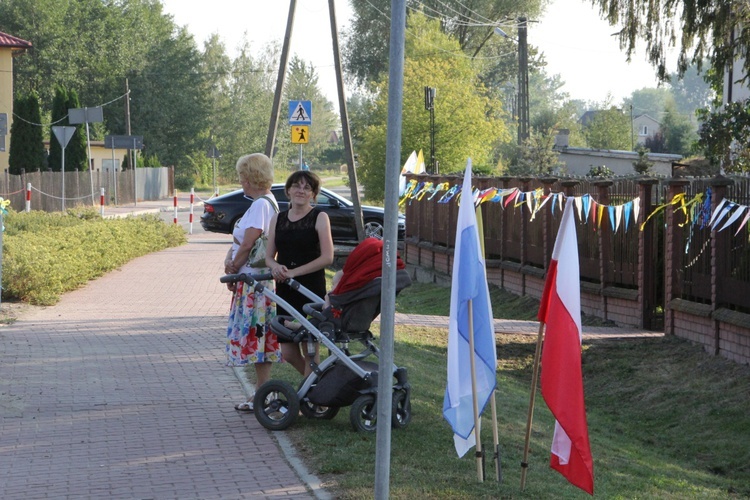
(276, 405)
(318, 412)
(364, 413)
(401, 410)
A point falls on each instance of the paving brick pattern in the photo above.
(120, 391)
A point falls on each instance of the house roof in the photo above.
(646, 115)
(13, 42)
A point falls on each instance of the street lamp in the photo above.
(523, 77)
(429, 105)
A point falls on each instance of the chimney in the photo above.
(561, 139)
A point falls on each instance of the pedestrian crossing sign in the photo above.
(300, 113)
(300, 134)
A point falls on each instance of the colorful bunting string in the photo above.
(696, 211)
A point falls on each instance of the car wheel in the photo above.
(373, 229)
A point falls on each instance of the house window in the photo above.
(644, 130)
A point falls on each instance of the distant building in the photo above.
(10, 46)
(645, 127)
(735, 86)
(102, 158)
(580, 161)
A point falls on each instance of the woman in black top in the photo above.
(300, 246)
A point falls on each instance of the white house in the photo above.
(735, 88)
(645, 127)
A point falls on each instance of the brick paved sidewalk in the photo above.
(120, 391)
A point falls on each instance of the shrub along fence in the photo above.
(649, 254)
(120, 188)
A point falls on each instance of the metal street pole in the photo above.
(62, 171)
(135, 175)
(390, 247)
(523, 81)
(114, 173)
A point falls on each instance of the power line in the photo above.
(66, 116)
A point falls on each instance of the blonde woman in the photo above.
(249, 336)
(300, 246)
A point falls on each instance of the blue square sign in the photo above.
(300, 112)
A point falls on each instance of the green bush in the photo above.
(45, 255)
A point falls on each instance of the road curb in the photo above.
(311, 481)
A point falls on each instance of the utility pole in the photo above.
(354, 187)
(127, 114)
(523, 81)
(429, 105)
(271, 138)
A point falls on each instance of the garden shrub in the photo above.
(45, 255)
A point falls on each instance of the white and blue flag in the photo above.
(469, 292)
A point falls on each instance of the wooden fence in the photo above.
(676, 274)
(85, 188)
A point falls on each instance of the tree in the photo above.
(642, 165)
(691, 92)
(26, 136)
(710, 31)
(656, 143)
(169, 104)
(245, 128)
(114, 40)
(679, 131)
(467, 122)
(215, 63)
(609, 129)
(724, 136)
(647, 101)
(366, 41)
(536, 156)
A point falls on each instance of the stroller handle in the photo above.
(247, 278)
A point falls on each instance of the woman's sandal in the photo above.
(244, 406)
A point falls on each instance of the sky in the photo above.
(577, 44)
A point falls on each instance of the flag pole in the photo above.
(480, 467)
(534, 380)
(495, 434)
(496, 441)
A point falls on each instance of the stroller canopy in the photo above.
(355, 301)
(363, 265)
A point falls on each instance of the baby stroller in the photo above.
(342, 379)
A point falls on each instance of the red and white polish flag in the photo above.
(562, 377)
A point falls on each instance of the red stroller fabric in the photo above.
(363, 265)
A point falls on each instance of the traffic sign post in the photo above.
(121, 142)
(63, 134)
(300, 118)
(213, 153)
(87, 115)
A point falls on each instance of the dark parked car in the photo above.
(221, 213)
